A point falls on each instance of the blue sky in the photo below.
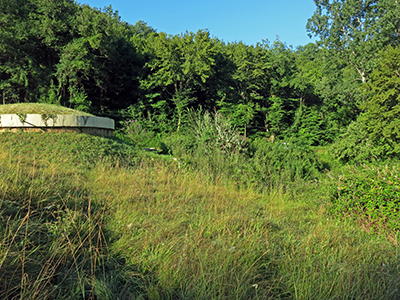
(249, 21)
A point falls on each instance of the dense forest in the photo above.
(346, 84)
(236, 171)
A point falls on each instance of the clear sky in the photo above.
(249, 21)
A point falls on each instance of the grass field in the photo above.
(121, 225)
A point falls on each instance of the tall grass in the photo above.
(53, 241)
(202, 239)
(158, 230)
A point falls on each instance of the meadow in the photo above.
(114, 222)
(261, 171)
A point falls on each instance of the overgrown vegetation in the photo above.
(274, 171)
(159, 230)
(211, 144)
(372, 194)
(64, 53)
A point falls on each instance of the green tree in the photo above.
(180, 66)
(322, 78)
(357, 28)
(376, 132)
(280, 115)
(99, 68)
(31, 34)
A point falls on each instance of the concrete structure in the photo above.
(58, 123)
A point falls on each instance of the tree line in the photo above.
(345, 87)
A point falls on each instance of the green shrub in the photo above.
(179, 144)
(208, 142)
(372, 193)
(214, 146)
(212, 133)
(282, 162)
(139, 135)
(309, 126)
(362, 143)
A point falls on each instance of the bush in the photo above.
(372, 193)
(309, 126)
(281, 162)
(214, 146)
(137, 133)
(362, 144)
(212, 133)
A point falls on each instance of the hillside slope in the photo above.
(83, 217)
(39, 108)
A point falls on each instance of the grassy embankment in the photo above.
(85, 217)
(39, 108)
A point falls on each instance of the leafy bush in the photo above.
(136, 132)
(372, 193)
(207, 133)
(179, 144)
(364, 142)
(211, 144)
(280, 162)
(309, 126)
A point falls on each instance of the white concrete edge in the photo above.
(43, 120)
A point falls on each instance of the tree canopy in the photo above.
(65, 53)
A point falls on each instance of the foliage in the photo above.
(280, 115)
(238, 209)
(136, 133)
(179, 66)
(375, 135)
(358, 29)
(207, 133)
(160, 230)
(61, 52)
(210, 143)
(70, 54)
(372, 194)
(274, 163)
(327, 83)
(239, 115)
(309, 126)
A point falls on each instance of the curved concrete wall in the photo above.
(63, 121)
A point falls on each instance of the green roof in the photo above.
(39, 108)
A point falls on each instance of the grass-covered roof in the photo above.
(39, 108)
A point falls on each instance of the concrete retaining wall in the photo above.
(37, 120)
(56, 123)
(87, 130)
